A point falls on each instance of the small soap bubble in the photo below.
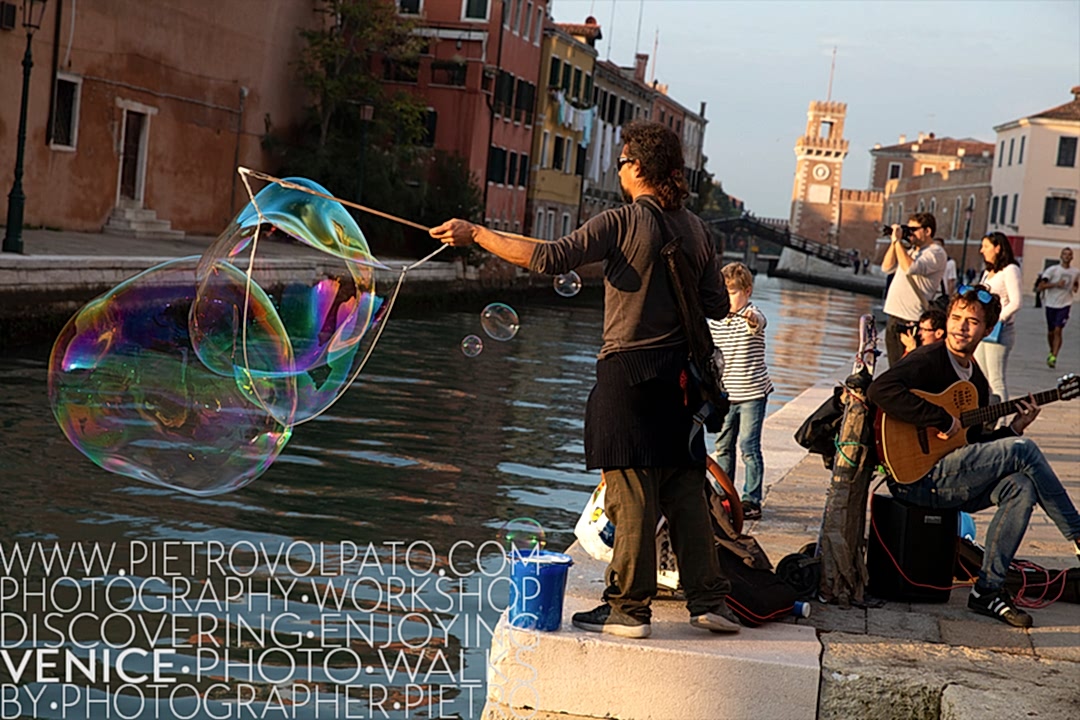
(500, 321)
(522, 536)
(568, 284)
(472, 346)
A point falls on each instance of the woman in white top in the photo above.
(1002, 276)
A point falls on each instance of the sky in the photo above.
(956, 69)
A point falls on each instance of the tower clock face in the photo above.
(821, 172)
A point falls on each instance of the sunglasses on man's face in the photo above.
(624, 161)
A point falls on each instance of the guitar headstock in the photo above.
(1069, 386)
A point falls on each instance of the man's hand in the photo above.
(953, 429)
(907, 339)
(897, 233)
(1029, 410)
(458, 233)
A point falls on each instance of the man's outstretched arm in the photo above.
(461, 233)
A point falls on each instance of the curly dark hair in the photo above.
(659, 154)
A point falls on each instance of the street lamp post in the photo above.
(33, 10)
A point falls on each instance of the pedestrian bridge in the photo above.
(739, 231)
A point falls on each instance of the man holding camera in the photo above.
(919, 264)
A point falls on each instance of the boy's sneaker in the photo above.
(605, 619)
(998, 604)
(1051, 360)
(719, 620)
(751, 510)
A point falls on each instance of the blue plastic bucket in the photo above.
(538, 578)
(966, 527)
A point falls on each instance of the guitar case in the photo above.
(1025, 579)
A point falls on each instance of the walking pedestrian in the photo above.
(1002, 277)
(1059, 285)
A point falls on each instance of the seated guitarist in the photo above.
(997, 468)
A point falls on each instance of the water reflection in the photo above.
(429, 445)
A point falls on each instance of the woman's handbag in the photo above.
(995, 334)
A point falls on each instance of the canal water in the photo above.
(429, 452)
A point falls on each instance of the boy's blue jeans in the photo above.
(743, 425)
(1011, 473)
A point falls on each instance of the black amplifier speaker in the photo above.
(923, 544)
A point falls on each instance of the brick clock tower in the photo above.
(820, 153)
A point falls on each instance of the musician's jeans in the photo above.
(1011, 473)
(743, 424)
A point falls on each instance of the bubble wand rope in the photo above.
(371, 211)
(244, 174)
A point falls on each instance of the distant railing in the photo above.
(747, 225)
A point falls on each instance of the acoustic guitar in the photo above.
(909, 451)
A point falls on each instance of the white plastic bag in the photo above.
(596, 533)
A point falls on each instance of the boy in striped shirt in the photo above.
(741, 337)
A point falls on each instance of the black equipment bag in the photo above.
(818, 432)
(757, 595)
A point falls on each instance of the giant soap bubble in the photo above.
(131, 394)
(311, 259)
(192, 374)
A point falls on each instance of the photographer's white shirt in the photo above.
(927, 270)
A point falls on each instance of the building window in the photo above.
(993, 210)
(524, 99)
(523, 171)
(1066, 152)
(565, 224)
(933, 205)
(401, 71)
(538, 26)
(515, 22)
(1001, 153)
(580, 161)
(65, 128)
(559, 153)
(543, 149)
(504, 94)
(496, 165)
(955, 217)
(555, 73)
(528, 21)
(448, 72)
(1059, 211)
(928, 170)
(474, 10)
(512, 169)
(967, 217)
(921, 206)
(576, 91)
(1020, 160)
(826, 129)
(566, 77)
(1012, 142)
(895, 169)
(538, 231)
(568, 149)
(892, 210)
(1004, 208)
(408, 7)
(551, 225)
(1016, 202)
(431, 120)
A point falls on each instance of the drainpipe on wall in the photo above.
(55, 69)
(236, 151)
(491, 100)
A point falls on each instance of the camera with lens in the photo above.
(906, 233)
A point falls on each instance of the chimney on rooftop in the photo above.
(702, 113)
(903, 139)
(922, 136)
(1076, 92)
(641, 61)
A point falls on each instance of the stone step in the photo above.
(125, 213)
(772, 672)
(153, 233)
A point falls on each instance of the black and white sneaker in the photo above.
(751, 510)
(605, 619)
(719, 620)
(998, 604)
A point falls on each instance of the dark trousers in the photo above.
(634, 500)
(894, 327)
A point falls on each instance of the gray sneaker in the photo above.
(719, 620)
